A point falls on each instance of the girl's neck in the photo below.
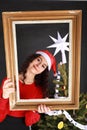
(29, 78)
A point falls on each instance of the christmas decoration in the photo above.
(61, 82)
(76, 118)
(67, 115)
(61, 45)
(60, 125)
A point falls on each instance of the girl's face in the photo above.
(38, 65)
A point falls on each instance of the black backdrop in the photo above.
(30, 5)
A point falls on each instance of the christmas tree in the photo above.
(62, 81)
(60, 122)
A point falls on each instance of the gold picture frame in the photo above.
(74, 20)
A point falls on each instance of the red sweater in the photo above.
(26, 92)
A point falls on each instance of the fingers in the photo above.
(43, 109)
(7, 83)
(7, 88)
(7, 92)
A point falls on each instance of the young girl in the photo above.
(33, 83)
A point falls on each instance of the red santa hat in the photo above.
(49, 58)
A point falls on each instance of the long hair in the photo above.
(40, 79)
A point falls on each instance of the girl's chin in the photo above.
(34, 71)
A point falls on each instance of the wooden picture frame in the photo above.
(74, 19)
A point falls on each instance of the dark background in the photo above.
(37, 5)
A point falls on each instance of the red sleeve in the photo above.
(4, 105)
(31, 117)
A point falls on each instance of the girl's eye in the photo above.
(39, 59)
(44, 66)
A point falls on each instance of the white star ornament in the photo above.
(61, 45)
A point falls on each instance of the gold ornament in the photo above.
(60, 125)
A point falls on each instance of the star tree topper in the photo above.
(61, 45)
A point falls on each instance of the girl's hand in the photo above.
(7, 88)
(43, 109)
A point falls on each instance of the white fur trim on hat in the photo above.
(46, 57)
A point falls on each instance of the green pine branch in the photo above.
(50, 122)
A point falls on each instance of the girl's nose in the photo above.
(39, 65)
